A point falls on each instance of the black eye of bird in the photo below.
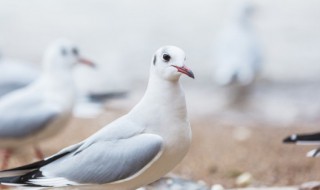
(63, 52)
(166, 57)
(75, 51)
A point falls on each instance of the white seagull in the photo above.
(16, 74)
(134, 150)
(237, 53)
(306, 139)
(43, 108)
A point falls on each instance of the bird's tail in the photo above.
(20, 176)
(10, 181)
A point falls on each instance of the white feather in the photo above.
(54, 182)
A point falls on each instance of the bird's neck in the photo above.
(58, 78)
(163, 97)
(59, 87)
(162, 89)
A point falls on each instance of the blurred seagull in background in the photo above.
(16, 74)
(91, 98)
(43, 108)
(134, 150)
(237, 56)
(306, 139)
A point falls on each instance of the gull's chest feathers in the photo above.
(165, 115)
(162, 111)
(60, 92)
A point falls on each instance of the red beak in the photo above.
(185, 70)
(86, 62)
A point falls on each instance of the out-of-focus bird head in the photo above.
(243, 10)
(169, 62)
(63, 55)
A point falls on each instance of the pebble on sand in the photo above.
(244, 179)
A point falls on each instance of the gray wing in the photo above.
(103, 162)
(25, 116)
(6, 88)
(15, 75)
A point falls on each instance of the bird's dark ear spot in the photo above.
(154, 59)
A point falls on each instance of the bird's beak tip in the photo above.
(191, 75)
(185, 70)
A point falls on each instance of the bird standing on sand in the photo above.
(306, 139)
(237, 55)
(43, 108)
(134, 150)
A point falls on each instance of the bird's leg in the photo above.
(6, 157)
(38, 153)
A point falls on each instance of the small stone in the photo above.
(241, 133)
(217, 187)
(202, 183)
(244, 179)
(142, 188)
(177, 183)
(169, 182)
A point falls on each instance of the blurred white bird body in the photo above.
(91, 94)
(53, 93)
(44, 107)
(134, 150)
(237, 52)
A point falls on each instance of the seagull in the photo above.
(43, 108)
(237, 54)
(306, 139)
(134, 150)
(16, 74)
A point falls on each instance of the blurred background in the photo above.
(229, 140)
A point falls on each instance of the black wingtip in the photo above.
(23, 180)
(290, 139)
(303, 138)
(4, 180)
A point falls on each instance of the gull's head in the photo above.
(169, 62)
(63, 54)
(244, 10)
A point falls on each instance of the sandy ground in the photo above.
(219, 152)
